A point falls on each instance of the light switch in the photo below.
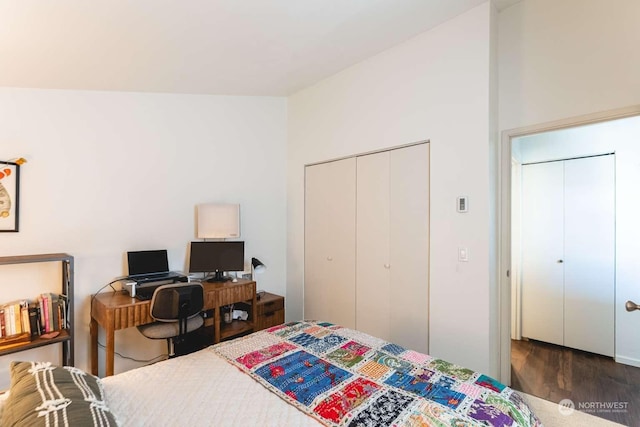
(463, 254)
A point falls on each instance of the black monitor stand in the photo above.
(218, 276)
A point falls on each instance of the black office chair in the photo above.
(176, 309)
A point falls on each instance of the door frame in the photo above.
(504, 217)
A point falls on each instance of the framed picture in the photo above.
(9, 196)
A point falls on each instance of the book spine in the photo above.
(45, 314)
(7, 320)
(11, 326)
(3, 332)
(17, 317)
(54, 312)
(39, 320)
(50, 307)
(34, 321)
(60, 324)
(24, 314)
(65, 307)
(12, 320)
(41, 313)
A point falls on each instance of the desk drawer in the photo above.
(270, 319)
(235, 294)
(133, 315)
(270, 311)
(269, 306)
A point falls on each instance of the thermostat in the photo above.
(463, 204)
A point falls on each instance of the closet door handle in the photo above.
(329, 258)
(560, 261)
(630, 306)
(387, 266)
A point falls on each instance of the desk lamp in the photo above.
(257, 267)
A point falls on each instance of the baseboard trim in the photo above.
(628, 361)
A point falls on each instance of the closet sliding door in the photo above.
(330, 242)
(374, 291)
(392, 241)
(543, 252)
(409, 246)
(589, 267)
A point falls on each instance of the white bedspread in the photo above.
(198, 389)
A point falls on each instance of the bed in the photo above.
(304, 374)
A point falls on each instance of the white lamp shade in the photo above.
(218, 221)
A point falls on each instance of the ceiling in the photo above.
(230, 47)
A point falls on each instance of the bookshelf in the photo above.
(65, 336)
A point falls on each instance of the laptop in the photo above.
(150, 266)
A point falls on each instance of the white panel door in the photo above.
(543, 252)
(330, 215)
(409, 247)
(373, 289)
(589, 267)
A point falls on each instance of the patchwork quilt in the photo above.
(343, 377)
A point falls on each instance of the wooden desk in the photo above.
(117, 310)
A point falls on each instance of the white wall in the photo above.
(109, 172)
(622, 137)
(561, 59)
(435, 86)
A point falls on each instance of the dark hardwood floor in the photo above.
(596, 384)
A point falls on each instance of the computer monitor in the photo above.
(216, 257)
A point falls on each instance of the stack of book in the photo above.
(23, 319)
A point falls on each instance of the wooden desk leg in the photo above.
(93, 331)
(254, 311)
(110, 350)
(216, 325)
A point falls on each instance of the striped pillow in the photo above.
(46, 395)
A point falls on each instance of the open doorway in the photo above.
(550, 369)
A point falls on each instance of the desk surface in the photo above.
(118, 310)
(121, 299)
(117, 299)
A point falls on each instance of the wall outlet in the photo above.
(463, 254)
(462, 204)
